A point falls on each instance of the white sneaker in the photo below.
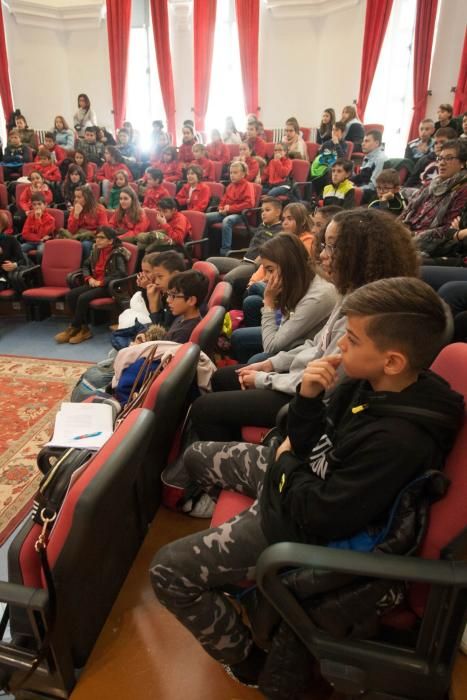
(204, 508)
(464, 642)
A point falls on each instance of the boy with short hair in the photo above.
(419, 176)
(372, 164)
(57, 152)
(154, 190)
(187, 291)
(157, 271)
(445, 118)
(336, 144)
(46, 167)
(256, 143)
(276, 174)
(388, 197)
(341, 192)
(91, 147)
(15, 155)
(424, 143)
(239, 195)
(206, 165)
(336, 475)
(171, 221)
(38, 227)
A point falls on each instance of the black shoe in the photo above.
(247, 671)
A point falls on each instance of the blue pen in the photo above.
(89, 435)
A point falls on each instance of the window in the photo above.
(144, 98)
(391, 97)
(226, 89)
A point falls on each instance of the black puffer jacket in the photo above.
(116, 266)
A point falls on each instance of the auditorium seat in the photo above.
(171, 187)
(210, 271)
(312, 149)
(196, 248)
(206, 333)
(221, 295)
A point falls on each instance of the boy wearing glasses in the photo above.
(387, 190)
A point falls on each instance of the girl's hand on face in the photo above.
(152, 290)
(142, 280)
(273, 289)
(78, 208)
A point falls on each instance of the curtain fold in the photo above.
(5, 85)
(204, 22)
(460, 99)
(160, 26)
(377, 17)
(423, 46)
(118, 31)
(248, 33)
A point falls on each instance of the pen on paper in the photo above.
(89, 435)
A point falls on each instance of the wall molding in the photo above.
(306, 9)
(58, 15)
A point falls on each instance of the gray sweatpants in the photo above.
(188, 575)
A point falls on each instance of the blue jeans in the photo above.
(437, 275)
(39, 247)
(246, 342)
(228, 223)
(87, 247)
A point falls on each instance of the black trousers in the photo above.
(221, 415)
(79, 298)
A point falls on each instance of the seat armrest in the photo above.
(75, 279)
(123, 287)
(31, 276)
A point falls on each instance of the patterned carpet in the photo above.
(32, 390)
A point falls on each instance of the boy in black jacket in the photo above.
(335, 476)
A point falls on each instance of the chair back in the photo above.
(403, 174)
(217, 189)
(133, 259)
(208, 329)
(373, 127)
(59, 217)
(95, 188)
(350, 146)
(60, 257)
(3, 196)
(268, 135)
(218, 166)
(28, 168)
(197, 220)
(171, 187)
(306, 132)
(2, 174)
(234, 149)
(258, 192)
(93, 169)
(211, 272)
(358, 196)
(7, 213)
(152, 217)
(133, 186)
(312, 150)
(221, 295)
(300, 170)
(270, 149)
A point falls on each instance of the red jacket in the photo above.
(218, 151)
(90, 172)
(258, 146)
(60, 154)
(178, 228)
(88, 222)
(185, 153)
(172, 171)
(199, 199)
(207, 166)
(24, 201)
(253, 168)
(34, 229)
(107, 171)
(238, 196)
(153, 195)
(277, 171)
(49, 172)
(131, 228)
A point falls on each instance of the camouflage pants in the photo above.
(188, 575)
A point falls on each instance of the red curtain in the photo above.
(460, 99)
(423, 44)
(204, 22)
(376, 21)
(248, 32)
(160, 26)
(118, 30)
(5, 87)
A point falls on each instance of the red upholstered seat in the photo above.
(312, 149)
(229, 504)
(171, 187)
(197, 220)
(210, 271)
(46, 293)
(7, 294)
(252, 433)
(221, 295)
(108, 303)
(60, 258)
(207, 331)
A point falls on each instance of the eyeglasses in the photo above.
(102, 238)
(446, 159)
(174, 295)
(328, 248)
(384, 189)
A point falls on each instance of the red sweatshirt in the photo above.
(207, 166)
(89, 222)
(60, 154)
(108, 170)
(218, 151)
(238, 196)
(34, 229)
(276, 171)
(172, 171)
(90, 172)
(258, 146)
(131, 228)
(253, 168)
(178, 228)
(49, 172)
(185, 153)
(24, 201)
(199, 199)
(153, 195)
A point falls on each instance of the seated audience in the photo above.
(430, 212)
(157, 270)
(239, 195)
(231, 135)
(169, 165)
(46, 166)
(127, 151)
(74, 178)
(57, 152)
(80, 159)
(154, 190)
(293, 292)
(388, 197)
(206, 165)
(217, 150)
(14, 156)
(324, 131)
(38, 228)
(252, 164)
(255, 142)
(341, 191)
(133, 134)
(91, 147)
(113, 163)
(27, 135)
(372, 164)
(86, 216)
(195, 195)
(354, 130)
(277, 174)
(172, 222)
(85, 116)
(120, 180)
(334, 459)
(11, 255)
(424, 143)
(445, 118)
(108, 261)
(159, 138)
(336, 143)
(187, 291)
(129, 218)
(424, 171)
(185, 151)
(64, 136)
(294, 142)
(38, 184)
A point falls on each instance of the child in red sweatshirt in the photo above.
(239, 195)
(169, 165)
(154, 190)
(172, 221)
(276, 174)
(256, 144)
(195, 195)
(206, 165)
(244, 156)
(38, 227)
(46, 167)
(37, 186)
(217, 149)
(58, 153)
(185, 152)
(106, 173)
